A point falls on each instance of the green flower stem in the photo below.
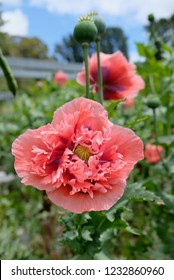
(11, 82)
(100, 79)
(156, 139)
(155, 126)
(168, 125)
(85, 52)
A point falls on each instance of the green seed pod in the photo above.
(85, 31)
(153, 102)
(100, 24)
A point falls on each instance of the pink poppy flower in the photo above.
(119, 77)
(39, 84)
(153, 153)
(60, 78)
(81, 159)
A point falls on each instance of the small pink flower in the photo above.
(153, 153)
(119, 77)
(60, 78)
(81, 159)
(39, 84)
(130, 103)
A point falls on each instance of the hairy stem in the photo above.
(85, 52)
(100, 79)
(155, 126)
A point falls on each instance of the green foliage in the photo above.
(135, 192)
(89, 234)
(18, 46)
(164, 29)
(112, 106)
(140, 225)
(137, 121)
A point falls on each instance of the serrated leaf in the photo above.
(82, 218)
(71, 235)
(111, 107)
(144, 50)
(137, 121)
(138, 192)
(135, 192)
(169, 201)
(128, 228)
(121, 223)
(107, 234)
(86, 234)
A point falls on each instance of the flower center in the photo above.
(82, 152)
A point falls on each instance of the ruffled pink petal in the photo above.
(93, 69)
(130, 146)
(81, 159)
(119, 76)
(81, 202)
(81, 112)
(127, 87)
(22, 149)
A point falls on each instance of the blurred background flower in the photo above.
(60, 78)
(119, 76)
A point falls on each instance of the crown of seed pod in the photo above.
(85, 31)
(99, 22)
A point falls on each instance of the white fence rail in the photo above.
(40, 69)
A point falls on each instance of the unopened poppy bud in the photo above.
(153, 102)
(85, 31)
(158, 45)
(158, 55)
(151, 18)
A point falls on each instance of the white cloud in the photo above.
(13, 3)
(158, 8)
(16, 23)
(139, 9)
(77, 6)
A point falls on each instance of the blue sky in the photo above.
(51, 20)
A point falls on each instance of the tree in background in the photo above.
(164, 28)
(69, 50)
(113, 40)
(24, 47)
(18, 46)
